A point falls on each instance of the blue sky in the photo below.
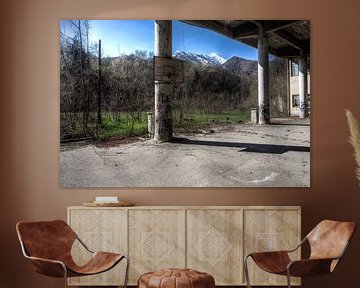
(126, 36)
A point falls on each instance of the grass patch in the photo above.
(111, 130)
(123, 124)
(197, 119)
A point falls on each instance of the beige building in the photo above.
(293, 88)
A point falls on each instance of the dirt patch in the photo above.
(120, 141)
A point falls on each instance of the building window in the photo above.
(295, 100)
(294, 69)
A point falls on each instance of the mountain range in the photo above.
(236, 65)
(204, 59)
(241, 66)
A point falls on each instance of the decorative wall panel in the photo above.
(100, 230)
(214, 241)
(270, 230)
(156, 240)
(209, 239)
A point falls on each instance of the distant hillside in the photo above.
(236, 65)
(241, 66)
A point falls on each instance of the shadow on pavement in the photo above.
(245, 147)
(290, 124)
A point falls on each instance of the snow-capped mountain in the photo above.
(218, 57)
(236, 65)
(211, 59)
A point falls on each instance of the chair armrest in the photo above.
(309, 267)
(280, 251)
(48, 267)
(271, 261)
(268, 254)
(298, 246)
(45, 260)
(84, 245)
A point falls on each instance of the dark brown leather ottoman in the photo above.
(176, 278)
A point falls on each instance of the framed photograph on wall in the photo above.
(184, 103)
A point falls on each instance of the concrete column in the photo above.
(303, 87)
(263, 79)
(163, 91)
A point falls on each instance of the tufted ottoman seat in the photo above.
(176, 278)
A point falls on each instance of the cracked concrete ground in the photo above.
(242, 155)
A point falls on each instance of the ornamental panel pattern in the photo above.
(100, 230)
(214, 244)
(271, 230)
(156, 246)
(157, 240)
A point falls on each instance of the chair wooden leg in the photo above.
(246, 272)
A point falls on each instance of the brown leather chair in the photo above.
(328, 242)
(48, 245)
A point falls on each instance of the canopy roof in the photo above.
(286, 38)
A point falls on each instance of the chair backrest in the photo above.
(46, 239)
(329, 239)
